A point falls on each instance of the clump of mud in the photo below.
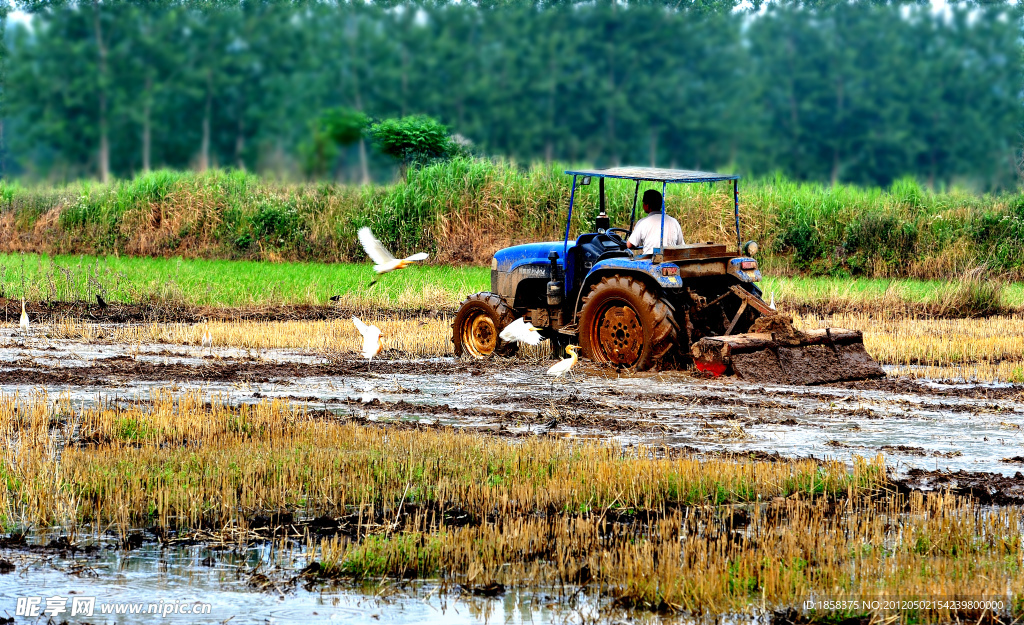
(780, 327)
(795, 357)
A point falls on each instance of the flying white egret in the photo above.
(380, 255)
(772, 303)
(563, 366)
(24, 317)
(521, 331)
(372, 343)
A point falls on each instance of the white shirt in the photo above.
(647, 232)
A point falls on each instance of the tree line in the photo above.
(843, 91)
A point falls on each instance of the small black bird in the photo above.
(99, 300)
(335, 298)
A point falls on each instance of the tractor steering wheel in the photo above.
(626, 232)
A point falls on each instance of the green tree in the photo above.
(834, 90)
(318, 151)
(414, 139)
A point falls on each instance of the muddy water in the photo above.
(251, 585)
(924, 425)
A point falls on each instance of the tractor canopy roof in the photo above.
(654, 174)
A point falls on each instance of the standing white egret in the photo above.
(207, 341)
(563, 366)
(521, 331)
(24, 317)
(772, 303)
(385, 260)
(372, 343)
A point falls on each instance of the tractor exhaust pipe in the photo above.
(602, 223)
(555, 289)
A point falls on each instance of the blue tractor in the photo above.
(695, 303)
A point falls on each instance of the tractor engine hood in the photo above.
(510, 258)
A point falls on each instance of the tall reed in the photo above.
(465, 209)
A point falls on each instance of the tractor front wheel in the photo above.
(480, 320)
(626, 324)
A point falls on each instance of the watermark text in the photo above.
(58, 605)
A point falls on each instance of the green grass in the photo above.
(224, 283)
(407, 553)
(808, 290)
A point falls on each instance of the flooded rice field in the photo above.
(931, 436)
(913, 423)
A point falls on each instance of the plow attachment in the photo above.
(794, 357)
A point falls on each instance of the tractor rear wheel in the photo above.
(480, 320)
(626, 324)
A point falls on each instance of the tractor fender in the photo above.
(664, 275)
(651, 274)
(735, 269)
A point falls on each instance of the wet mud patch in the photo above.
(947, 389)
(758, 455)
(574, 400)
(986, 488)
(242, 581)
(735, 393)
(497, 421)
(895, 450)
(60, 546)
(119, 370)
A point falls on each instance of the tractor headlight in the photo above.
(750, 248)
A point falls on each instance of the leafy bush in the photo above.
(1000, 234)
(415, 139)
(277, 224)
(880, 236)
(344, 126)
(317, 152)
(804, 241)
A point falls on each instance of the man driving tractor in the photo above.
(647, 232)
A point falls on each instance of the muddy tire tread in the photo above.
(665, 327)
(505, 315)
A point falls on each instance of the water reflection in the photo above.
(224, 578)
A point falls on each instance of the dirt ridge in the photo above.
(179, 312)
